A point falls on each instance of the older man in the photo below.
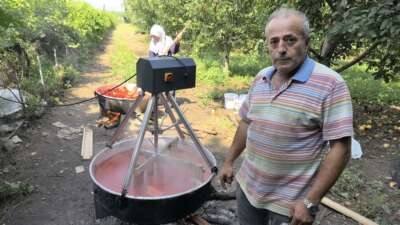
(293, 110)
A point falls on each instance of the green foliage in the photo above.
(8, 190)
(88, 22)
(66, 74)
(248, 64)
(46, 29)
(218, 81)
(341, 30)
(214, 26)
(31, 106)
(365, 90)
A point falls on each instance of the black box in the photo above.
(160, 74)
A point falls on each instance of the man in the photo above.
(293, 109)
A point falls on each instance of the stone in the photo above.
(8, 108)
(68, 133)
(16, 140)
(79, 169)
(8, 145)
(6, 128)
(58, 124)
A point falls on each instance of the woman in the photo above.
(160, 43)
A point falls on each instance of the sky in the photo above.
(110, 5)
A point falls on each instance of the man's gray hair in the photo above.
(285, 12)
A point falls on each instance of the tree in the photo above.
(225, 25)
(344, 32)
(356, 31)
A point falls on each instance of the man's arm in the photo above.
(331, 168)
(333, 165)
(237, 147)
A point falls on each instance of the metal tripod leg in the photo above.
(172, 116)
(196, 141)
(128, 177)
(155, 121)
(125, 121)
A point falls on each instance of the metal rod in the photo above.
(196, 141)
(155, 121)
(170, 126)
(125, 121)
(172, 116)
(128, 178)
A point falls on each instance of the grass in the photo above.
(365, 90)
(217, 81)
(123, 61)
(9, 190)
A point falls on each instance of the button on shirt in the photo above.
(289, 128)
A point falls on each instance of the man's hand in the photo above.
(226, 174)
(237, 147)
(300, 214)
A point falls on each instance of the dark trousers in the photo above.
(250, 215)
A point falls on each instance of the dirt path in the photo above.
(62, 196)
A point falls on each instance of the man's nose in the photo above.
(282, 47)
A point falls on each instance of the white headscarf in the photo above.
(158, 47)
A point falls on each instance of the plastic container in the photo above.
(356, 150)
(230, 100)
(241, 99)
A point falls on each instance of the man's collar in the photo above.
(302, 74)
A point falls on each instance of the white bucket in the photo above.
(230, 100)
(241, 99)
(356, 151)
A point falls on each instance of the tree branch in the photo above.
(358, 58)
(315, 53)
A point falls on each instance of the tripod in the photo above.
(152, 108)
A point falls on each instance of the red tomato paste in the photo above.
(160, 176)
(119, 92)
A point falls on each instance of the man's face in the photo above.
(287, 45)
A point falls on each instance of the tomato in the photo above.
(119, 92)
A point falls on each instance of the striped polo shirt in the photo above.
(289, 128)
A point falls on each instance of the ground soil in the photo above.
(63, 197)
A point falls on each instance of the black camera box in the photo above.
(160, 74)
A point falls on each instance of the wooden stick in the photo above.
(198, 220)
(15, 131)
(326, 201)
(87, 143)
(347, 212)
(176, 40)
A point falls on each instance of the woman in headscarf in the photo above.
(160, 43)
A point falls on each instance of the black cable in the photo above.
(74, 103)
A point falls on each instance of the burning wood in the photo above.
(110, 120)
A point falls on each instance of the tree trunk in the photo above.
(328, 48)
(227, 52)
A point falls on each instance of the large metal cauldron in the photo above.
(168, 186)
(119, 99)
